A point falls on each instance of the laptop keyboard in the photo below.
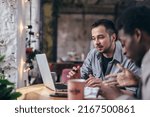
(60, 86)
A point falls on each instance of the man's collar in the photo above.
(118, 52)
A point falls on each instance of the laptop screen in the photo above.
(45, 71)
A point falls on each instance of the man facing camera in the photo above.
(102, 60)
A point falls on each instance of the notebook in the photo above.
(46, 74)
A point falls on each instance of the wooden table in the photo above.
(37, 92)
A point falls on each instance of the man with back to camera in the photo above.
(102, 60)
(134, 32)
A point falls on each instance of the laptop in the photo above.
(47, 76)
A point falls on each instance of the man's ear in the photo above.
(137, 35)
(114, 37)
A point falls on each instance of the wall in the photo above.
(33, 18)
(12, 40)
(8, 38)
(27, 15)
(21, 34)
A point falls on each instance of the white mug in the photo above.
(76, 89)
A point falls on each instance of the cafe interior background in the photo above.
(58, 28)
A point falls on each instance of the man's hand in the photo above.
(110, 92)
(124, 78)
(106, 90)
(74, 73)
(93, 82)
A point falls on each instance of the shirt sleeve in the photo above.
(86, 68)
(146, 77)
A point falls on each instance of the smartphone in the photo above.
(59, 95)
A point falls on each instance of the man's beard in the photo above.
(138, 61)
(139, 58)
(107, 50)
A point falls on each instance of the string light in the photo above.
(29, 66)
(28, 27)
(37, 34)
(31, 33)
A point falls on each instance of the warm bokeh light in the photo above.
(21, 68)
(21, 27)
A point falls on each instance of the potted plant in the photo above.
(7, 91)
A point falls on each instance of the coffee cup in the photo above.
(76, 89)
